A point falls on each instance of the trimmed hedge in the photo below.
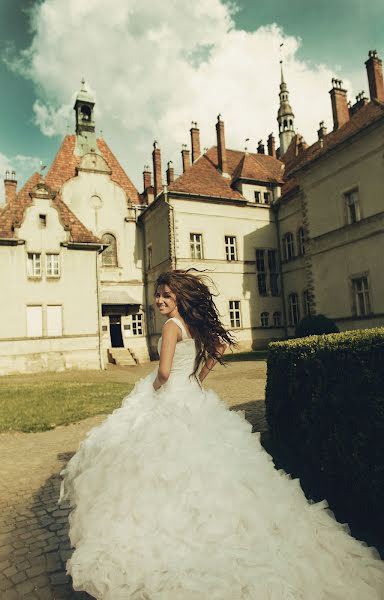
(315, 325)
(325, 401)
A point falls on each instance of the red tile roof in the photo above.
(65, 164)
(362, 118)
(12, 215)
(203, 178)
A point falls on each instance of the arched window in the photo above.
(264, 318)
(285, 124)
(109, 256)
(294, 309)
(86, 113)
(301, 241)
(289, 247)
(277, 319)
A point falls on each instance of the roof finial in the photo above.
(83, 88)
(245, 146)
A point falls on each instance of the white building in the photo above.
(292, 232)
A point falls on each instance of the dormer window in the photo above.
(267, 197)
(43, 220)
(257, 197)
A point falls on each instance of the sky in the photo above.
(153, 67)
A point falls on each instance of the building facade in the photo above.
(283, 233)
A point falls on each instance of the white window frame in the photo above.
(50, 262)
(267, 197)
(109, 257)
(352, 206)
(289, 246)
(34, 315)
(196, 245)
(277, 319)
(137, 324)
(361, 297)
(307, 303)
(301, 241)
(34, 264)
(265, 273)
(264, 319)
(230, 248)
(51, 328)
(257, 196)
(235, 314)
(294, 309)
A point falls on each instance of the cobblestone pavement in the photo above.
(34, 544)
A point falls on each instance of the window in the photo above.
(264, 268)
(149, 257)
(294, 311)
(301, 241)
(43, 220)
(352, 206)
(34, 321)
(137, 324)
(267, 197)
(54, 321)
(34, 265)
(234, 313)
(277, 319)
(361, 296)
(52, 265)
(109, 256)
(230, 247)
(258, 197)
(273, 272)
(307, 303)
(289, 249)
(264, 317)
(261, 272)
(196, 243)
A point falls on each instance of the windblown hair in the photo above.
(198, 309)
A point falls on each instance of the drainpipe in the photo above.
(146, 284)
(99, 321)
(275, 208)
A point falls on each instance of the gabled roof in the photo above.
(12, 215)
(204, 179)
(65, 163)
(368, 114)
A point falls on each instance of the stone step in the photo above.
(121, 356)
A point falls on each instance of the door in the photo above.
(115, 329)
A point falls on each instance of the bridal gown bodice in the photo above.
(183, 361)
(174, 498)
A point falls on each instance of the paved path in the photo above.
(34, 543)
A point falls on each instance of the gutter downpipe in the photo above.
(101, 359)
(171, 229)
(145, 281)
(275, 208)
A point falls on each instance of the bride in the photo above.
(173, 497)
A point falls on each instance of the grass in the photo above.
(246, 356)
(42, 405)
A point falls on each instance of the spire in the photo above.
(285, 116)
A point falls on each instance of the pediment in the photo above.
(94, 162)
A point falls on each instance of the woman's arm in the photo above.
(168, 344)
(210, 363)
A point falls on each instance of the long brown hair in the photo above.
(197, 308)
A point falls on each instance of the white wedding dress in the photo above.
(174, 498)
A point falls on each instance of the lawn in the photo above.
(40, 405)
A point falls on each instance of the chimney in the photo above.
(375, 76)
(340, 108)
(361, 100)
(185, 157)
(195, 141)
(260, 147)
(322, 131)
(271, 145)
(156, 158)
(221, 150)
(170, 173)
(10, 185)
(147, 177)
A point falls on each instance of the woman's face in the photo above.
(165, 300)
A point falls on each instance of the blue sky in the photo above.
(320, 39)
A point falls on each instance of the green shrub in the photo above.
(325, 401)
(315, 325)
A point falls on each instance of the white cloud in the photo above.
(24, 167)
(156, 66)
